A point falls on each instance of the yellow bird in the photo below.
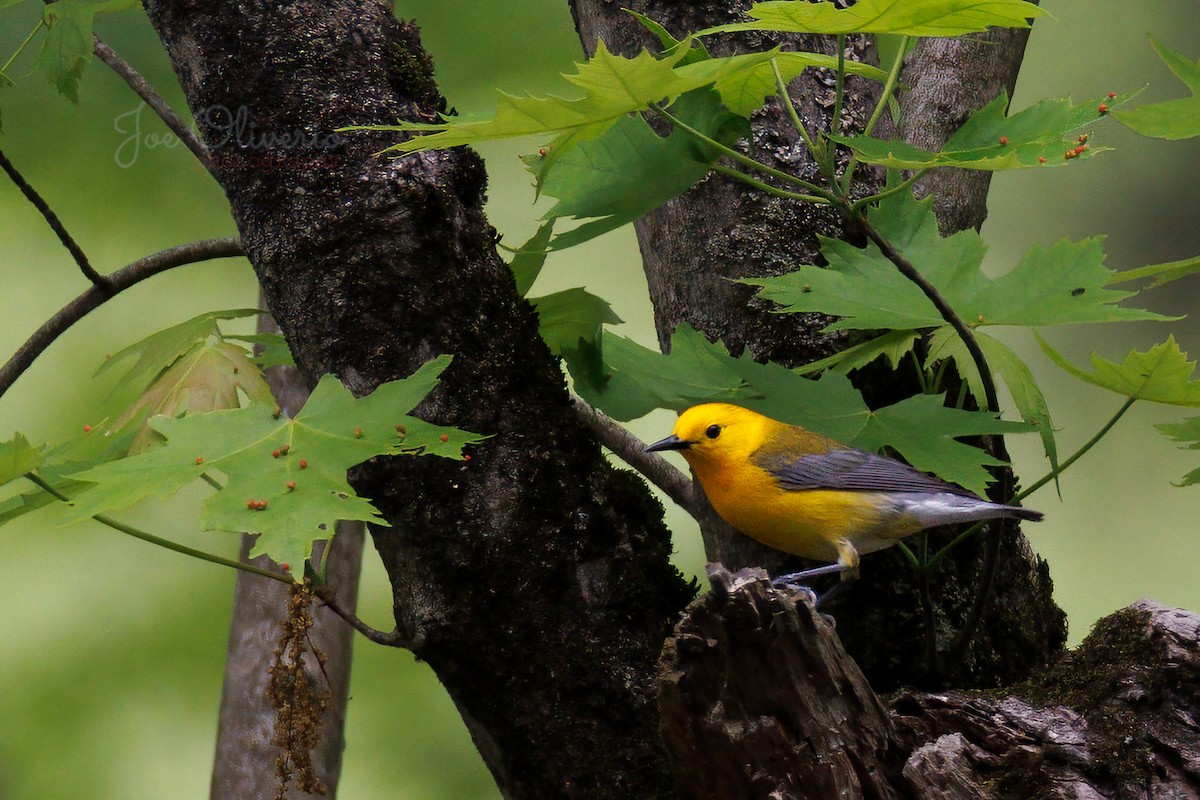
(806, 494)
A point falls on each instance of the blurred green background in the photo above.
(113, 650)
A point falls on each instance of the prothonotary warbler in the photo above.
(806, 494)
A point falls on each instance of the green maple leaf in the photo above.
(1188, 434)
(206, 378)
(296, 467)
(892, 345)
(572, 322)
(67, 47)
(529, 258)
(1039, 136)
(635, 379)
(1063, 284)
(629, 170)
(909, 17)
(612, 87)
(17, 457)
(572, 315)
(159, 350)
(186, 368)
(1162, 374)
(1174, 119)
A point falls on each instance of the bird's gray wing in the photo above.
(850, 469)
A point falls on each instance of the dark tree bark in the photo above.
(534, 578)
(760, 700)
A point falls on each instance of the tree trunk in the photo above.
(248, 719)
(759, 700)
(533, 578)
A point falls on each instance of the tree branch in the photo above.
(392, 639)
(144, 90)
(656, 469)
(97, 296)
(55, 224)
(948, 313)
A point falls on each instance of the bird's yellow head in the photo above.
(717, 433)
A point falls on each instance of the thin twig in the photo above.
(144, 90)
(55, 224)
(167, 544)
(95, 297)
(949, 314)
(656, 469)
(392, 639)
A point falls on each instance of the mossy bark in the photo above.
(533, 578)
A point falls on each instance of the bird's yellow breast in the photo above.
(804, 522)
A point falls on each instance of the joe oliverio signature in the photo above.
(234, 131)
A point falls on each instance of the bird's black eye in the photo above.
(713, 431)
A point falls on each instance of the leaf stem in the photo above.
(889, 86)
(908, 553)
(857, 205)
(1054, 473)
(740, 158)
(839, 96)
(762, 186)
(137, 533)
(790, 107)
(1086, 446)
(28, 39)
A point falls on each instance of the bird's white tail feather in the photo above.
(946, 508)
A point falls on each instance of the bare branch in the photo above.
(145, 91)
(392, 639)
(675, 484)
(55, 224)
(96, 296)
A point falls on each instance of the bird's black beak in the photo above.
(672, 442)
